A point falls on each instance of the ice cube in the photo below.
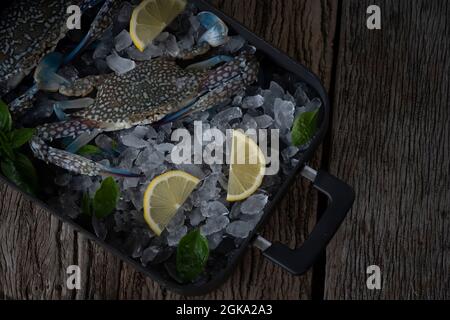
(93, 188)
(264, 121)
(186, 42)
(137, 197)
(176, 222)
(223, 181)
(149, 254)
(253, 102)
(150, 159)
(167, 128)
(105, 162)
(215, 239)
(122, 41)
(141, 132)
(103, 49)
(239, 229)
(174, 238)
(288, 153)
(234, 44)
(253, 220)
(128, 157)
(100, 229)
(104, 142)
(130, 183)
(215, 168)
(124, 15)
(255, 204)
(118, 64)
(187, 205)
(151, 51)
(80, 183)
(131, 140)
(284, 115)
(275, 91)
(163, 36)
(164, 148)
(152, 134)
(235, 211)
(171, 46)
(227, 115)
(300, 95)
(208, 191)
(214, 225)
(195, 24)
(137, 241)
(213, 208)
(313, 105)
(248, 122)
(237, 101)
(123, 205)
(192, 169)
(196, 217)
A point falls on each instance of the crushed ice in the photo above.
(145, 149)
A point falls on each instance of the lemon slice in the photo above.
(151, 17)
(164, 196)
(247, 168)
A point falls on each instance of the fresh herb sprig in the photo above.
(304, 128)
(14, 164)
(192, 255)
(105, 200)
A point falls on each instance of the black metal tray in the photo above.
(341, 196)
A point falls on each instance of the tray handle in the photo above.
(341, 197)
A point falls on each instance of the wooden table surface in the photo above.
(389, 138)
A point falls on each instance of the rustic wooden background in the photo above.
(389, 138)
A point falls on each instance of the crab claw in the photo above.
(45, 74)
(217, 31)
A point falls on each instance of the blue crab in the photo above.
(31, 29)
(155, 91)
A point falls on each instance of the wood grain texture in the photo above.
(391, 141)
(36, 248)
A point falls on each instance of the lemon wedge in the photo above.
(164, 196)
(247, 168)
(151, 17)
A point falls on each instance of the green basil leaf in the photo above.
(27, 171)
(86, 204)
(21, 136)
(106, 198)
(192, 255)
(12, 173)
(5, 147)
(305, 126)
(89, 150)
(5, 118)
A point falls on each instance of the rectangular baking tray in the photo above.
(341, 195)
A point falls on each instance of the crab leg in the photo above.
(67, 160)
(208, 64)
(101, 22)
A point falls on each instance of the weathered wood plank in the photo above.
(391, 141)
(304, 29)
